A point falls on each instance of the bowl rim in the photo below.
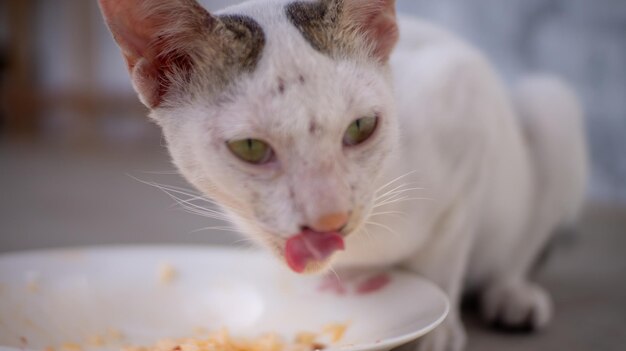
(385, 344)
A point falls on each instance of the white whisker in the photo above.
(188, 204)
(394, 180)
(192, 194)
(382, 226)
(396, 189)
(244, 240)
(392, 197)
(225, 229)
(403, 199)
(169, 172)
(332, 269)
(397, 213)
(367, 233)
(199, 210)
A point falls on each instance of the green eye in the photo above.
(360, 130)
(251, 150)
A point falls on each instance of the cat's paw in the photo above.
(517, 305)
(449, 336)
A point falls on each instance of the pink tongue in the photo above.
(311, 246)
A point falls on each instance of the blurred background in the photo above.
(74, 140)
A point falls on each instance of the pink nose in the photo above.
(330, 222)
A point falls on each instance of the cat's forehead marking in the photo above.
(239, 49)
(248, 41)
(318, 22)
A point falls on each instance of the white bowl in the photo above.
(150, 293)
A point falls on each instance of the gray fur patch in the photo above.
(318, 22)
(232, 45)
(339, 28)
(246, 42)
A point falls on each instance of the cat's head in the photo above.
(281, 111)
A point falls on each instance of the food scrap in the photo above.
(33, 279)
(167, 273)
(336, 331)
(223, 341)
(96, 340)
(114, 335)
(71, 347)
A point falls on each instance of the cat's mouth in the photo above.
(309, 251)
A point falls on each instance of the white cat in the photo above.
(324, 143)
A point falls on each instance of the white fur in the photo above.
(499, 170)
(323, 176)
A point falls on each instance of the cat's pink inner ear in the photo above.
(131, 28)
(377, 20)
(154, 36)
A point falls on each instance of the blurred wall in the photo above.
(582, 40)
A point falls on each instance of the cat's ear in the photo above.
(376, 20)
(339, 27)
(170, 44)
(157, 40)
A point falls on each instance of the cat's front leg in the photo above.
(443, 260)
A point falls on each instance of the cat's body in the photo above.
(465, 135)
(464, 180)
(511, 164)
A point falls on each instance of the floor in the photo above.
(587, 278)
(55, 196)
